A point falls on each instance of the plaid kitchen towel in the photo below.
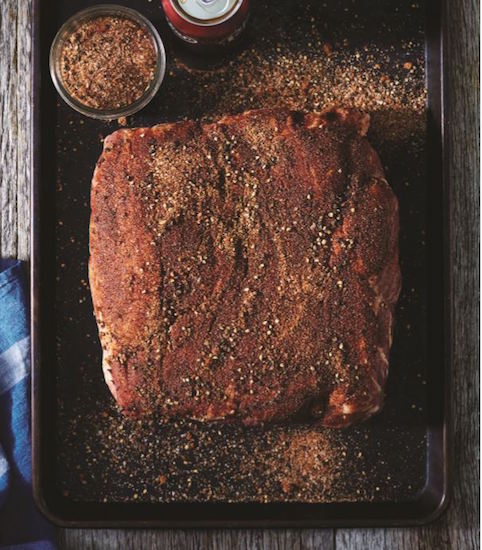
(21, 525)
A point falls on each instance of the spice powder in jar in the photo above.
(108, 62)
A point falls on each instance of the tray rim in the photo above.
(427, 507)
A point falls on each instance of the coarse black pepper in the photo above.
(362, 67)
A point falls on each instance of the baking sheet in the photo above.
(93, 465)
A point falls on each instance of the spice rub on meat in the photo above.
(245, 270)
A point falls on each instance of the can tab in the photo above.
(207, 9)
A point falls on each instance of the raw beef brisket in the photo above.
(245, 270)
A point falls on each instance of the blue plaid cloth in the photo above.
(21, 525)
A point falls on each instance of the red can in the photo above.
(207, 22)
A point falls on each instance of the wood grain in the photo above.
(8, 122)
(23, 128)
(14, 121)
(295, 539)
(458, 528)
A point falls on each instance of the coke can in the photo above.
(207, 23)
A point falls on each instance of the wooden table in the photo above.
(458, 528)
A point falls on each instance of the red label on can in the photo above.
(218, 30)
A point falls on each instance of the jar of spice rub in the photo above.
(107, 61)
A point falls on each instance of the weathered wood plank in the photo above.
(104, 539)
(24, 17)
(379, 539)
(459, 527)
(9, 125)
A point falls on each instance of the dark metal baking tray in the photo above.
(411, 436)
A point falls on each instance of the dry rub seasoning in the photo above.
(108, 62)
(304, 59)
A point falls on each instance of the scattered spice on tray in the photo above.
(108, 62)
(345, 53)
